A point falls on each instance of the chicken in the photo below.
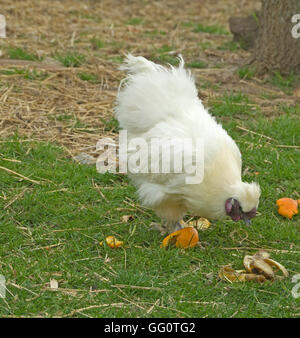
(155, 102)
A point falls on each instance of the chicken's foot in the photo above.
(167, 227)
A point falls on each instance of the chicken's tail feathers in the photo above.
(139, 64)
(151, 194)
(151, 93)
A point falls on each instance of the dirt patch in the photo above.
(67, 94)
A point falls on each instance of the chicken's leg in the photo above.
(167, 226)
(175, 226)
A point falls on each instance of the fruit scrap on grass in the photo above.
(259, 267)
(112, 242)
(287, 207)
(184, 238)
(200, 223)
(229, 274)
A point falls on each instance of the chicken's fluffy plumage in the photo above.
(156, 102)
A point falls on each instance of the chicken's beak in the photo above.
(247, 221)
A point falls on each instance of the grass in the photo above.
(29, 74)
(246, 73)
(91, 17)
(165, 58)
(88, 77)
(18, 53)
(165, 49)
(64, 117)
(163, 55)
(116, 59)
(199, 28)
(285, 83)
(205, 45)
(211, 29)
(231, 104)
(155, 32)
(229, 45)
(97, 43)
(52, 230)
(134, 21)
(110, 125)
(209, 85)
(70, 59)
(196, 64)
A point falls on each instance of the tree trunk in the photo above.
(275, 46)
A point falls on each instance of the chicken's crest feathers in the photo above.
(247, 194)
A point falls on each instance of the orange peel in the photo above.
(112, 242)
(184, 238)
(287, 207)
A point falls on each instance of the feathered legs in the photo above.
(167, 227)
(171, 212)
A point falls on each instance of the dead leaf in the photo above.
(297, 92)
(126, 218)
(210, 276)
(53, 284)
(85, 158)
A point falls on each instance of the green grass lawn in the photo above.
(50, 228)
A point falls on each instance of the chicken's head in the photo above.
(244, 203)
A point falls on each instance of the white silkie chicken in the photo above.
(158, 102)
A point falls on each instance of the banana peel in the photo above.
(259, 267)
(229, 274)
(200, 223)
